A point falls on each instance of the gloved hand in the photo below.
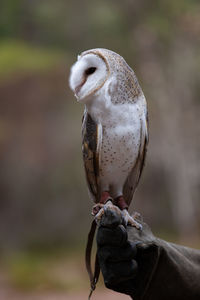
(136, 263)
(119, 251)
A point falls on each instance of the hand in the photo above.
(116, 254)
(126, 255)
(136, 263)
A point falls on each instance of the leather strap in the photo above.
(93, 276)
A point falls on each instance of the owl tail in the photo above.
(93, 276)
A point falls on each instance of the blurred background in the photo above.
(44, 205)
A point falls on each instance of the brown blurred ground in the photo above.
(7, 294)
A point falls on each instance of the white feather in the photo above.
(78, 77)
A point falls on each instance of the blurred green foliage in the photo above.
(20, 57)
(68, 24)
(61, 269)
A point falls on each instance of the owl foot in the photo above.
(111, 211)
(96, 208)
(105, 197)
(131, 220)
(137, 216)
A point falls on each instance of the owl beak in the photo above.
(78, 88)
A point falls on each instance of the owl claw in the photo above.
(99, 216)
(105, 198)
(96, 208)
(99, 209)
(108, 209)
(130, 220)
(113, 214)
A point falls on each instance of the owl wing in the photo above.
(136, 172)
(91, 145)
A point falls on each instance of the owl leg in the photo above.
(105, 197)
(121, 203)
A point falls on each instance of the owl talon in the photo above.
(131, 221)
(137, 216)
(109, 210)
(105, 200)
(96, 208)
(100, 209)
(135, 224)
(99, 215)
(110, 206)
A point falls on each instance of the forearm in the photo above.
(176, 275)
(166, 270)
(136, 263)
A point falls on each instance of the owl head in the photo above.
(96, 67)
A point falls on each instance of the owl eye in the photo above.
(90, 71)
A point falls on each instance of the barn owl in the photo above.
(114, 128)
